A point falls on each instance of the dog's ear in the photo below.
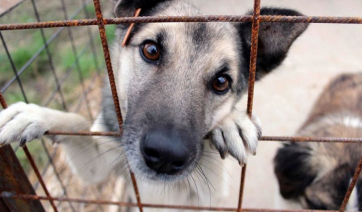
(294, 169)
(275, 40)
(127, 8)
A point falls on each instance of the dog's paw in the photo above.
(22, 123)
(237, 135)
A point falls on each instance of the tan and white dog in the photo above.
(180, 87)
(317, 175)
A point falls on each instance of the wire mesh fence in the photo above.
(56, 94)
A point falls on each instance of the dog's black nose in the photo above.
(165, 152)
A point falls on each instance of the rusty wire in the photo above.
(351, 186)
(128, 33)
(252, 74)
(165, 19)
(107, 57)
(256, 18)
(146, 205)
(32, 163)
(293, 139)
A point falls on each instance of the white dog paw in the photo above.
(237, 135)
(22, 123)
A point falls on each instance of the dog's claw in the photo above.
(23, 142)
(237, 135)
(222, 155)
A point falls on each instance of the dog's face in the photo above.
(176, 81)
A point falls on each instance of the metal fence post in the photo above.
(14, 180)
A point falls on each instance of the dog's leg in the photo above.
(237, 134)
(25, 122)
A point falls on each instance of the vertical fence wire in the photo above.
(13, 67)
(50, 58)
(75, 54)
(57, 175)
(102, 32)
(91, 38)
(50, 161)
(351, 186)
(32, 163)
(25, 148)
(252, 73)
(58, 88)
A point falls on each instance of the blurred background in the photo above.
(74, 55)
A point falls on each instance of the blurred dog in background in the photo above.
(318, 174)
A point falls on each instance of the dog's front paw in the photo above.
(22, 123)
(237, 135)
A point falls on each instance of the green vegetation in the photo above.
(39, 156)
(37, 79)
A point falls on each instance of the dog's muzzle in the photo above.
(167, 151)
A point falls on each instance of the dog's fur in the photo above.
(318, 174)
(172, 97)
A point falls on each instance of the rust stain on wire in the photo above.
(126, 204)
(81, 133)
(164, 19)
(351, 186)
(253, 56)
(311, 139)
(40, 178)
(102, 32)
(2, 101)
(128, 33)
(252, 73)
(263, 138)
(32, 163)
(312, 19)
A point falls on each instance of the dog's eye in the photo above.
(221, 84)
(150, 51)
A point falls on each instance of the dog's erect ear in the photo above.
(275, 40)
(294, 170)
(127, 8)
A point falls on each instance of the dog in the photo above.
(180, 87)
(317, 175)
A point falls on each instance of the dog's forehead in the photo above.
(211, 43)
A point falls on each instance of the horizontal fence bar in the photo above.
(113, 134)
(125, 204)
(311, 139)
(264, 138)
(312, 19)
(209, 18)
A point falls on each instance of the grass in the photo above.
(39, 156)
(20, 55)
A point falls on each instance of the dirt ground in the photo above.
(284, 98)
